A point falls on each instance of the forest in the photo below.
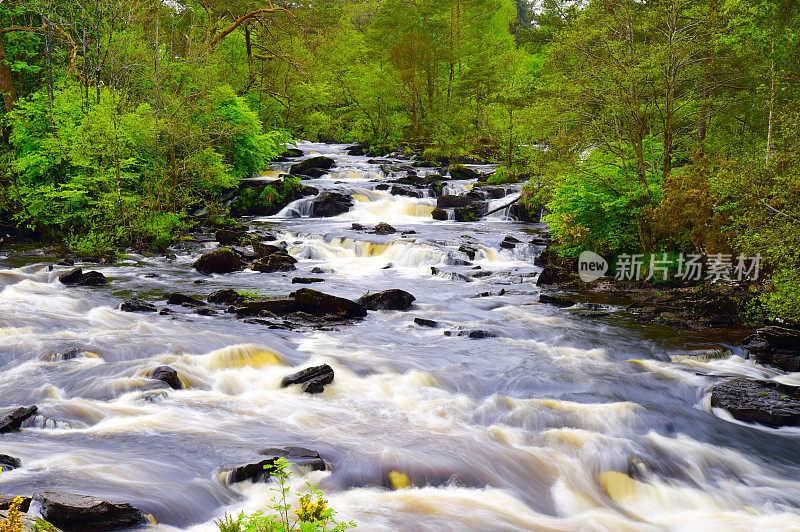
(639, 126)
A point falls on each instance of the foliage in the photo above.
(249, 294)
(311, 513)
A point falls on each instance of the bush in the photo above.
(311, 513)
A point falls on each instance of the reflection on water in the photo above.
(555, 423)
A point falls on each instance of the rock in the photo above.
(227, 237)
(330, 204)
(72, 512)
(555, 275)
(298, 456)
(469, 251)
(176, 298)
(8, 462)
(277, 262)
(319, 163)
(321, 304)
(471, 213)
(312, 379)
(450, 201)
(765, 402)
(264, 250)
(222, 260)
(77, 277)
(776, 346)
(458, 171)
(265, 307)
(480, 334)
(384, 229)
(393, 299)
(5, 502)
(509, 242)
(227, 296)
(356, 150)
(13, 420)
(307, 280)
(357, 227)
(257, 472)
(137, 305)
(255, 200)
(439, 214)
(293, 152)
(422, 322)
(556, 300)
(65, 262)
(167, 375)
(399, 190)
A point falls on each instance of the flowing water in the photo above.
(562, 421)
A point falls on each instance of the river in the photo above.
(560, 421)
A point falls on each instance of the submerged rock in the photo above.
(176, 298)
(72, 512)
(227, 296)
(556, 300)
(222, 260)
(321, 304)
(8, 462)
(312, 379)
(765, 402)
(298, 456)
(76, 277)
(137, 305)
(384, 229)
(307, 280)
(393, 299)
(509, 242)
(422, 322)
(776, 346)
(13, 420)
(265, 307)
(168, 375)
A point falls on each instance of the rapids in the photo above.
(561, 421)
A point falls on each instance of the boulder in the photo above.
(222, 260)
(321, 304)
(471, 213)
(72, 512)
(298, 456)
(76, 277)
(293, 152)
(176, 298)
(384, 229)
(8, 462)
(13, 420)
(228, 237)
(255, 472)
(399, 190)
(265, 307)
(765, 402)
(393, 299)
(264, 250)
(551, 275)
(5, 502)
(422, 322)
(556, 300)
(450, 201)
(509, 242)
(776, 346)
(330, 204)
(277, 262)
(458, 171)
(137, 305)
(168, 375)
(439, 214)
(356, 150)
(313, 379)
(304, 166)
(307, 280)
(227, 296)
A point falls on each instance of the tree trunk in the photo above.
(7, 81)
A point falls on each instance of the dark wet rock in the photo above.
(384, 229)
(277, 262)
(222, 260)
(69, 354)
(330, 204)
(319, 303)
(167, 375)
(422, 322)
(76, 277)
(264, 250)
(312, 379)
(458, 171)
(8, 462)
(555, 275)
(393, 299)
(449, 201)
(765, 402)
(455, 276)
(5, 502)
(262, 307)
(72, 512)
(356, 150)
(357, 227)
(471, 213)
(176, 298)
(509, 242)
(314, 173)
(439, 214)
(312, 163)
(776, 346)
(307, 280)
(255, 472)
(137, 305)
(523, 215)
(398, 190)
(227, 296)
(228, 237)
(556, 300)
(293, 152)
(65, 262)
(13, 420)
(469, 251)
(388, 266)
(317, 270)
(205, 311)
(298, 456)
(477, 334)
